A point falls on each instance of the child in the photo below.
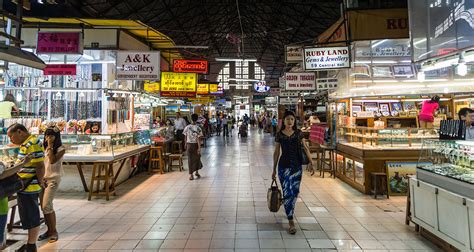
(53, 162)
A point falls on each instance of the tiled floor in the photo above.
(226, 210)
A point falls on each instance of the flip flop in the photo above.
(53, 238)
(292, 230)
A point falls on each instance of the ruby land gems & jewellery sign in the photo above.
(318, 58)
(138, 65)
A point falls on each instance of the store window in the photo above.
(242, 71)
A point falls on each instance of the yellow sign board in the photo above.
(201, 100)
(378, 24)
(152, 87)
(178, 84)
(213, 87)
(202, 88)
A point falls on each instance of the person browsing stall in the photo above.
(467, 115)
(7, 106)
(28, 206)
(54, 153)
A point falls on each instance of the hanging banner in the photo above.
(335, 33)
(138, 65)
(293, 54)
(178, 84)
(202, 88)
(60, 69)
(326, 84)
(378, 24)
(190, 66)
(152, 86)
(216, 89)
(59, 42)
(320, 58)
(300, 81)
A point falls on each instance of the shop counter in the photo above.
(355, 162)
(82, 164)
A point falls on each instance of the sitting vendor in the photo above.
(313, 119)
(94, 129)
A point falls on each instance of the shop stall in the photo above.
(376, 110)
(86, 93)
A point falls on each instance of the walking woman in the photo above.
(53, 162)
(193, 147)
(289, 140)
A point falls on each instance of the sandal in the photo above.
(198, 175)
(43, 236)
(191, 177)
(292, 230)
(53, 238)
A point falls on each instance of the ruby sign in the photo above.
(60, 69)
(59, 42)
(190, 66)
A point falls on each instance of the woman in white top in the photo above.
(193, 132)
(53, 162)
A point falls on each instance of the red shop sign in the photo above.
(190, 66)
(178, 94)
(60, 69)
(59, 42)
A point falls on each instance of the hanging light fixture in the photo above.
(19, 97)
(81, 94)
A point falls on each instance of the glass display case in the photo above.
(373, 138)
(448, 164)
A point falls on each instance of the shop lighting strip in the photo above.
(236, 79)
(235, 59)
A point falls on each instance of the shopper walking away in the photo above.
(219, 125)
(288, 143)
(193, 132)
(28, 206)
(179, 125)
(225, 126)
(53, 162)
(7, 106)
(274, 125)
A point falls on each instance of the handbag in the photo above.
(13, 184)
(303, 157)
(274, 197)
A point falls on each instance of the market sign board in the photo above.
(190, 66)
(152, 86)
(261, 87)
(60, 69)
(134, 65)
(293, 54)
(320, 58)
(178, 84)
(300, 81)
(202, 88)
(326, 84)
(216, 89)
(59, 42)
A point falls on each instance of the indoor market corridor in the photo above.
(226, 210)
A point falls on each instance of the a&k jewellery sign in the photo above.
(293, 54)
(300, 81)
(261, 87)
(133, 65)
(319, 58)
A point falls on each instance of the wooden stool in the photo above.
(156, 157)
(176, 147)
(177, 157)
(327, 162)
(315, 149)
(102, 172)
(166, 157)
(379, 176)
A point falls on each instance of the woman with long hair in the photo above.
(289, 143)
(428, 108)
(53, 162)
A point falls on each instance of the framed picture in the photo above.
(396, 106)
(384, 107)
(402, 70)
(356, 108)
(397, 176)
(382, 71)
(409, 105)
(371, 106)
